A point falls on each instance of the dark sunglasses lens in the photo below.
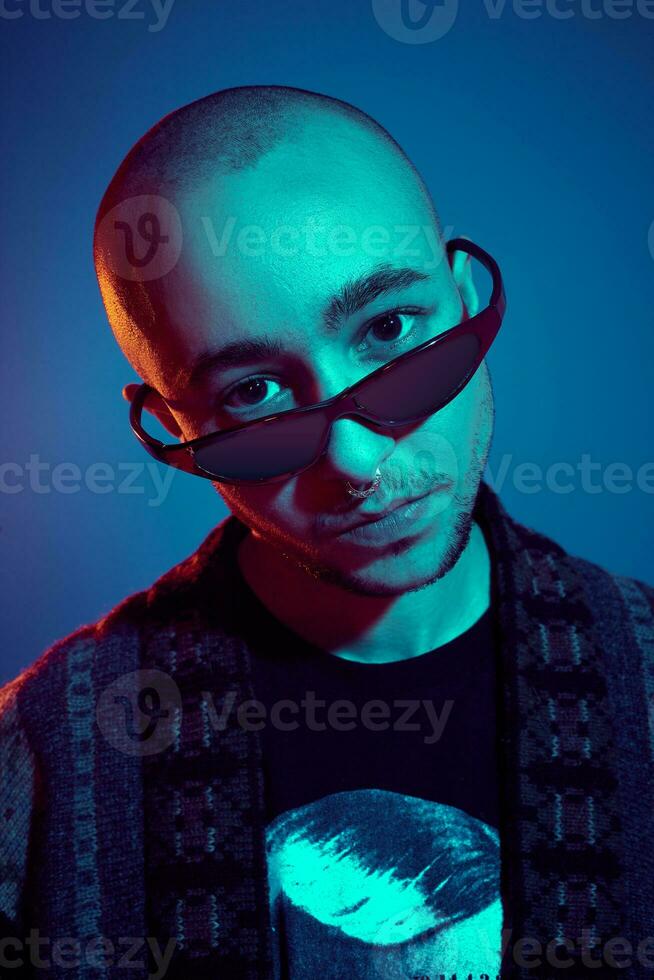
(420, 385)
(266, 450)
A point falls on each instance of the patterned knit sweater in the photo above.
(132, 813)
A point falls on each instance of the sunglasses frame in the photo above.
(484, 324)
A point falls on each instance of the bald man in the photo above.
(369, 726)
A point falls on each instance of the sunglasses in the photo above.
(405, 390)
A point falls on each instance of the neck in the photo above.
(371, 629)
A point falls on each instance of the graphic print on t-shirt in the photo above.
(375, 884)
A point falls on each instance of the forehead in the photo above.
(266, 249)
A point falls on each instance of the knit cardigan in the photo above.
(113, 828)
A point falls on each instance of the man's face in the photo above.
(321, 225)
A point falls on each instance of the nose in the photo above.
(354, 451)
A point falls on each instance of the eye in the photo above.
(250, 393)
(387, 330)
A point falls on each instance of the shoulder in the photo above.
(636, 594)
(112, 638)
(533, 565)
(621, 608)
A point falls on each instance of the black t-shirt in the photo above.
(381, 788)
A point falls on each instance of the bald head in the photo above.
(192, 166)
(229, 131)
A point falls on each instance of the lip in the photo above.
(392, 522)
(375, 516)
(396, 523)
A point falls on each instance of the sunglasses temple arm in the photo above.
(178, 456)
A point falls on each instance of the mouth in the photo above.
(393, 521)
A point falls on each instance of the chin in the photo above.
(405, 566)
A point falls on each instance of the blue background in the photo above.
(535, 137)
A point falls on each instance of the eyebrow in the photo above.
(352, 297)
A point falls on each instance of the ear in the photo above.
(461, 265)
(155, 404)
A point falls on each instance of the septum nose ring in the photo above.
(369, 490)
